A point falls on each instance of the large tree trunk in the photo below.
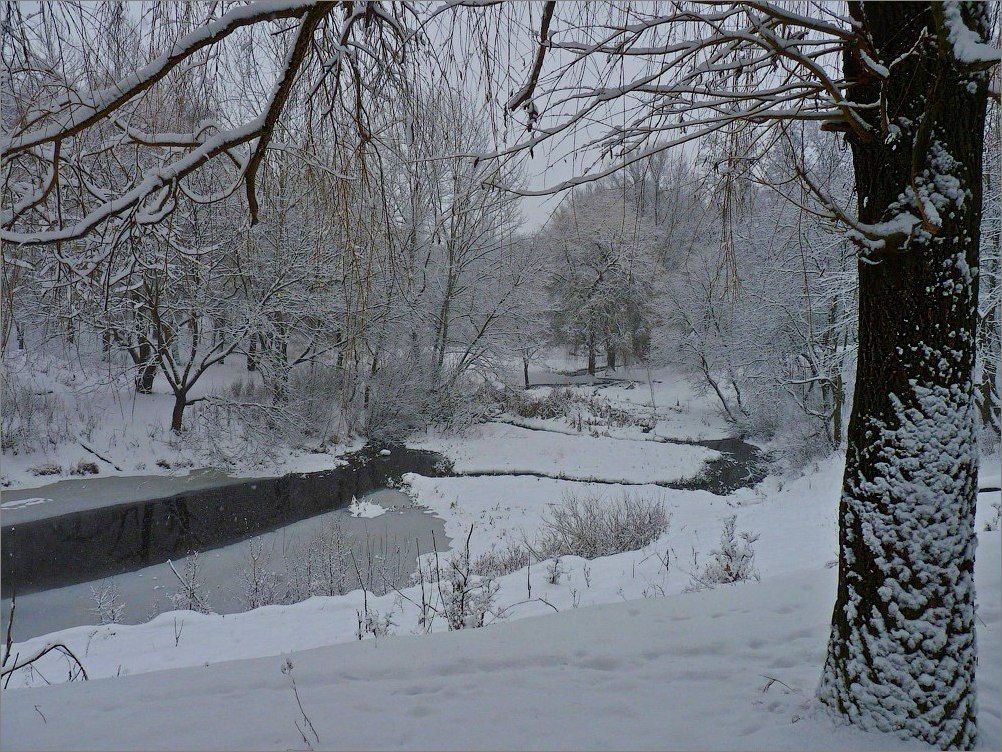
(902, 651)
(147, 368)
(252, 353)
(591, 350)
(180, 402)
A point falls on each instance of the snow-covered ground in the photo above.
(85, 411)
(732, 668)
(511, 450)
(629, 659)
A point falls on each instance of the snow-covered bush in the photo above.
(554, 404)
(588, 525)
(371, 622)
(32, 418)
(250, 419)
(108, 606)
(554, 571)
(465, 598)
(190, 596)
(734, 561)
(261, 585)
(457, 590)
(383, 567)
(499, 562)
(993, 524)
(324, 566)
(405, 395)
(46, 468)
(85, 467)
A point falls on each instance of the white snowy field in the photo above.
(732, 668)
(607, 653)
(512, 450)
(86, 411)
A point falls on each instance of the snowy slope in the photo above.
(629, 661)
(689, 671)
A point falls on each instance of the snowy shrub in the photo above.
(466, 599)
(796, 440)
(47, 468)
(734, 561)
(261, 585)
(84, 467)
(323, 567)
(457, 592)
(590, 526)
(581, 411)
(108, 606)
(32, 421)
(383, 568)
(604, 413)
(250, 419)
(190, 596)
(555, 404)
(406, 396)
(370, 622)
(993, 524)
(499, 562)
(34, 418)
(554, 571)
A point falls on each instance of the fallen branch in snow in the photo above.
(52, 646)
(10, 629)
(679, 485)
(10, 637)
(100, 457)
(653, 438)
(774, 680)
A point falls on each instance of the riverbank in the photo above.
(626, 636)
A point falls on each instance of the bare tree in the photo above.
(906, 84)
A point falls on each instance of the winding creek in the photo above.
(123, 530)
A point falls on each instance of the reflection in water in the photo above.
(102, 542)
(384, 548)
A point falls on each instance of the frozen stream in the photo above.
(392, 537)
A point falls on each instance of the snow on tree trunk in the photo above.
(902, 652)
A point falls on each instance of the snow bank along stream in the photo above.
(53, 556)
(51, 561)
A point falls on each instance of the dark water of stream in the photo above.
(96, 543)
(740, 464)
(52, 562)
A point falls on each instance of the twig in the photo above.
(10, 628)
(504, 611)
(100, 457)
(365, 595)
(7, 681)
(774, 680)
(287, 669)
(57, 646)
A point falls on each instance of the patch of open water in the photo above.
(391, 539)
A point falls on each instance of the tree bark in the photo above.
(180, 402)
(902, 652)
(591, 350)
(252, 353)
(525, 370)
(147, 372)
